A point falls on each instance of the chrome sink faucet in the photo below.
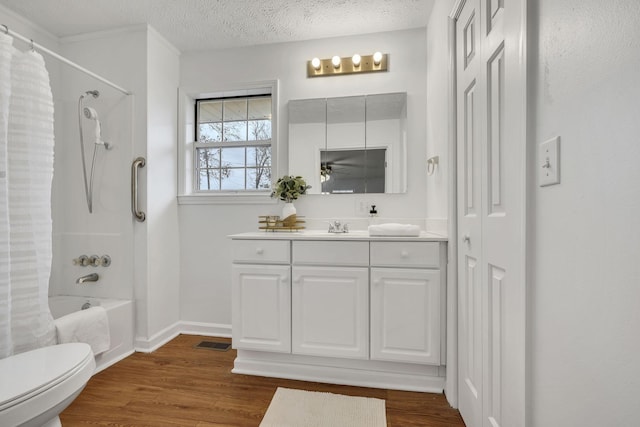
(93, 277)
(338, 227)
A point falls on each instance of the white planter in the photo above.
(287, 210)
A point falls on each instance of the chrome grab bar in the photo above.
(138, 214)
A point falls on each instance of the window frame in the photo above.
(187, 185)
(247, 143)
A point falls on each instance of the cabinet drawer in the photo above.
(331, 253)
(405, 254)
(261, 251)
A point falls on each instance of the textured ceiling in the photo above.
(207, 24)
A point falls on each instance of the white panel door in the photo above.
(261, 307)
(330, 311)
(405, 315)
(471, 95)
(491, 141)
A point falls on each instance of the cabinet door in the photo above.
(330, 311)
(261, 308)
(405, 315)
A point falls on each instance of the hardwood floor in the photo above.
(179, 385)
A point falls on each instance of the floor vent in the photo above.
(213, 345)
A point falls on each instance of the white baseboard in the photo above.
(411, 380)
(144, 345)
(148, 345)
(205, 329)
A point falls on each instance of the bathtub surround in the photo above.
(145, 255)
(26, 168)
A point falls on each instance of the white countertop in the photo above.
(324, 235)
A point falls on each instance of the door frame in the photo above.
(520, 83)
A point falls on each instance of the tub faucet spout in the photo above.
(93, 277)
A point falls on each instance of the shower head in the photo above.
(93, 93)
(90, 113)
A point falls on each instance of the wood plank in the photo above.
(179, 385)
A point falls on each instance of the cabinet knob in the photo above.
(259, 251)
(296, 279)
(377, 282)
(404, 254)
(466, 239)
(284, 278)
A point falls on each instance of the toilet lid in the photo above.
(32, 372)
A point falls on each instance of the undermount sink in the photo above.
(325, 233)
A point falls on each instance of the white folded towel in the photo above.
(90, 326)
(394, 229)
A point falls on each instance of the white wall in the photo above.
(438, 108)
(438, 183)
(163, 251)
(584, 234)
(205, 259)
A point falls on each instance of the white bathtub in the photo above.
(120, 314)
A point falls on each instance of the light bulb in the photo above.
(356, 60)
(315, 63)
(336, 61)
(377, 57)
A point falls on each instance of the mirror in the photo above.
(354, 144)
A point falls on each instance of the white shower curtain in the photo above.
(26, 172)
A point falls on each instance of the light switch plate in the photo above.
(549, 162)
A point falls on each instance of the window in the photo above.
(233, 144)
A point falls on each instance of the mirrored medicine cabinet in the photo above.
(352, 144)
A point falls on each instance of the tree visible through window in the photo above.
(233, 143)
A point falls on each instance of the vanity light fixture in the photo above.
(347, 65)
(377, 58)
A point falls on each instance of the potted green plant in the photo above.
(289, 188)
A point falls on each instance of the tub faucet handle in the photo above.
(82, 261)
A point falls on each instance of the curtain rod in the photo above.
(63, 59)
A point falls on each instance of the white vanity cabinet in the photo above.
(406, 302)
(330, 299)
(346, 309)
(261, 295)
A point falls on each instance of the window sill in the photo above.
(226, 199)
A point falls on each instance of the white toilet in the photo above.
(37, 385)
